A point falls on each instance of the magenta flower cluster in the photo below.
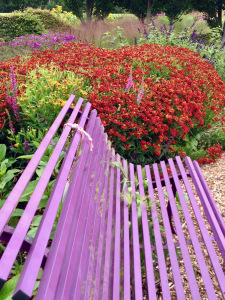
(12, 96)
(35, 41)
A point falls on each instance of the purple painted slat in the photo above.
(195, 242)
(21, 184)
(208, 243)
(149, 267)
(126, 242)
(76, 236)
(219, 236)
(101, 242)
(20, 232)
(107, 263)
(210, 197)
(135, 239)
(32, 265)
(52, 269)
(116, 271)
(96, 226)
(169, 238)
(183, 246)
(80, 271)
(158, 239)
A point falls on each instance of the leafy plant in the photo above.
(6, 175)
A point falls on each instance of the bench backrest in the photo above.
(115, 238)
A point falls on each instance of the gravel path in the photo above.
(215, 176)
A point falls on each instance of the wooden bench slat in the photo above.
(116, 261)
(210, 198)
(100, 250)
(126, 283)
(32, 265)
(108, 259)
(96, 251)
(149, 267)
(169, 237)
(217, 231)
(12, 249)
(28, 172)
(58, 247)
(76, 236)
(158, 239)
(93, 246)
(135, 239)
(80, 271)
(193, 235)
(206, 237)
(183, 245)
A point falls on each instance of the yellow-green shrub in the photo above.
(19, 24)
(49, 20)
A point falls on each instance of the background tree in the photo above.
(149, 8)
(173, 9)
(102, 8)
(76, 7)
(11, 5)
(212, 9)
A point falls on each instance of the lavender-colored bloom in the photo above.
(12, 100)
(222, 46)
(130, 84)
(194, 35)
(146, 34)
(141, 92)
(12, 128)
(26, 146)
(135, 40)
(140, 95)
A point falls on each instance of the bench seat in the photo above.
(124, 231)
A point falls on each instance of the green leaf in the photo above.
(28, 191)
(3, 168)
(26, 156)
(10, 162)
(119, 165)
(7, 291)
(32, 232)
(39, 171)
(36, 144)
(17, 213)
(36, 221)
(2, 151)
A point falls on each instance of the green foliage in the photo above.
(49, 20)
(213, 10)
(47, 90)
(18, 24)
(6, 175)
(11, 5)
(116, 39)
(7, 291)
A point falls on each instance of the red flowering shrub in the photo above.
(148, 97)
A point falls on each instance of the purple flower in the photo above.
(12, 100)
(135, 40)
(26, 146)
(141, 92)
(130, 84)
(140, 95)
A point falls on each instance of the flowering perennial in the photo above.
(174, 93)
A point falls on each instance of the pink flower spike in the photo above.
(140, 95)
(130, 84)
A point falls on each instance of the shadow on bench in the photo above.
(124, 231)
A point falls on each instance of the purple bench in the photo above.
(114, 239)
